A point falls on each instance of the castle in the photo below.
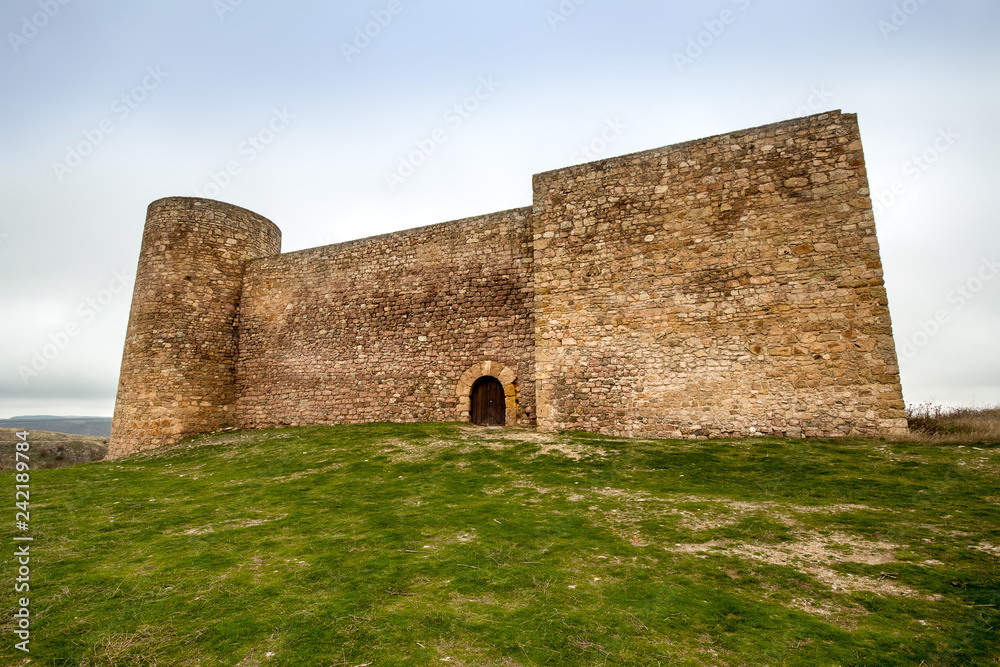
(729, 286)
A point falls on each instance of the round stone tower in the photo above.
(178, 368)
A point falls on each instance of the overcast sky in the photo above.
(291, 110)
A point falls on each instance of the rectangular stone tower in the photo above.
(726, 286)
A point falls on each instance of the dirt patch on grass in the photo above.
(428, 544)
(808, 551)
(721, 512)
(816, 554)
(570, 450)
(988, 547)
(402, 451)
(518, 484)
(842, 615)
(405, 451)
(500, 434)
(235, 524)
(307, 473)
(549, 444)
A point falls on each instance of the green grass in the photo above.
(444, 544)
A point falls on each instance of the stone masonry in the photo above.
(721, 287)
(729, 286)
(179, 366)
(383, 329)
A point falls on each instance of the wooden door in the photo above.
(489, 407)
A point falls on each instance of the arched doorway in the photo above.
(493, 370)
(489, 406)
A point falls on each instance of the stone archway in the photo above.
(487, 369)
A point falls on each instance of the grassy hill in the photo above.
(444, 544)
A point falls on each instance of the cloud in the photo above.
(322, 179)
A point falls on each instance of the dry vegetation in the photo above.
(52, 450)
(933, 423)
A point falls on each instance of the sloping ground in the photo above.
(52, 450)
(443, 544)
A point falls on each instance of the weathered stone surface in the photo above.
(178, 368)
(393, 328)
(715, 287)
(725, 286)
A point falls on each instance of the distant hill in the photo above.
(96, 426)
(52, 450)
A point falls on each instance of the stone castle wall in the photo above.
(178, 368)
(384, 329)
(723, 287)
(726, 286)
